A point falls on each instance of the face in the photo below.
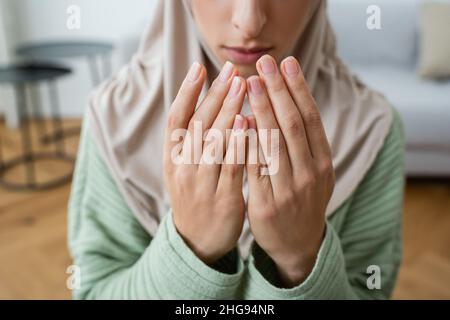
(242, 31)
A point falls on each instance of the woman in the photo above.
(314, 226)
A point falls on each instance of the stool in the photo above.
(19, 77)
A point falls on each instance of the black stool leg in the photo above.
(25, 131)
(56, 117)
(37, 107)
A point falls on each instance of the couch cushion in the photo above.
(435, 44)
(424, 105)
(395, 43)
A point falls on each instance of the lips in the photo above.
(240, 55)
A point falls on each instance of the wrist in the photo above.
(205, 254)
(294, 274)
(201, 247)
(295, 268)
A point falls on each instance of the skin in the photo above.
(286, 210)
(250, 23)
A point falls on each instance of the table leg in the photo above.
(56, 117)
(37, 106)
(25, 131)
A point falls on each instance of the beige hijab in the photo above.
(127, 113)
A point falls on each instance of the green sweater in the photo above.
(118, 259)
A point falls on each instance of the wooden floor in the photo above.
(33, 231)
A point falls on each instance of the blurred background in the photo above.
(54, 52)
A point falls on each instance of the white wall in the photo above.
(118, 21)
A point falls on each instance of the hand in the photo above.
(206, 197)
(287, 209)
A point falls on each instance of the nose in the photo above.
(249, 17)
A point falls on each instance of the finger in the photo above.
(182, 110)
(285, 110)
(232, 106)
(260, 185)
(211, 105)
(224, 123)
(307, 106)
(207, 112)
(232, 170)
(270, 138)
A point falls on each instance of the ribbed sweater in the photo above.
(118, 259)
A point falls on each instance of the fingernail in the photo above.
(227, 72)
(267, 65)
(255, 86)
(235, 87)
(238, 123)
(291, 67)
(194, 72)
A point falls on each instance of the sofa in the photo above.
(386, 60)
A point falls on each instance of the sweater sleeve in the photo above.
(118, 259)
(367, 247)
